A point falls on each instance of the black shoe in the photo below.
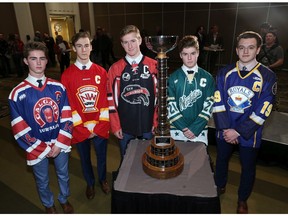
(242, 207)
(221, 191)
(90, 192)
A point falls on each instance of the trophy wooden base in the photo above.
(162, 158)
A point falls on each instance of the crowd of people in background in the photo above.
(59, 51)
(11, 49)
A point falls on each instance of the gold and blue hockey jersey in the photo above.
(243, 102)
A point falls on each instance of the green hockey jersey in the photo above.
(190, 103)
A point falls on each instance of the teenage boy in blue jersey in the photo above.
(243, 101)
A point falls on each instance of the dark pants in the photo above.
(52, 59)
(213, 60)
(94, 57)
(127, 138)
(84, 150)
(18, 59)
(65, 61)
(5, 66)
(105, 58)
(248, 158)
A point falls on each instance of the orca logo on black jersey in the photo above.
(135, 94)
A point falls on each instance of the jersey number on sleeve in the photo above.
(266, 109)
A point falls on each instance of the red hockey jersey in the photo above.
(87, 94)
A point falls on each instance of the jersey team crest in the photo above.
(239, 98)
(88, 96)
(45, 111)
(135, 94)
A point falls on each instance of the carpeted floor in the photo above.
(11, 197)
(19, 195)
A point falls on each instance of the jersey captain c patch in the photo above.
(239, 98)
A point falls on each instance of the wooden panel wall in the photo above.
(84, 16)
(173, 19)
(8, 22)
(183, 18)
(39, 17)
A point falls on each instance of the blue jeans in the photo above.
(41, 173)
(84, 150)
(127, 138)
(248, 159)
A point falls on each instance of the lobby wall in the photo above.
(183, 18)
(172, 18)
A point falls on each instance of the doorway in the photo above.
(63, 25)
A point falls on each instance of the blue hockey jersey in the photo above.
(41, 118)
(244, 103)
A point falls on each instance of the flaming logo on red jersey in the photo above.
(88, 97)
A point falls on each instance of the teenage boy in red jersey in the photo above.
(86, 84)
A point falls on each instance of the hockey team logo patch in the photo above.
(45, 111)
(239, 98)
(188, 101)
(88, 97)
(135, 94)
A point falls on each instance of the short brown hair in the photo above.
(250, 34)
(34, 45)
(79, 35)
(188, 41)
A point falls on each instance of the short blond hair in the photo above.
(130, 29)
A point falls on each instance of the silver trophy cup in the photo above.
(161, 45)
(162, 158)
